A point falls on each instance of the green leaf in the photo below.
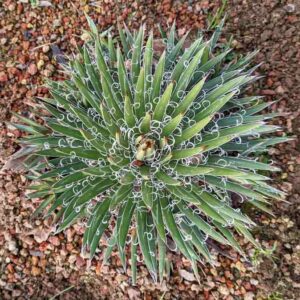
(71, 132)
(161, 257)
(109, 121)
(161, 106)
(148, 57)
(245, 232)
(145, 237)
(214, 106)
(93, 189)
(190, 52)
(147, 193)
(185, 153)
(139, 99)
(221, 206)
(173, 229)
(66, 169)
(157, 78)
(197, 239)
(200, 223)
(166, 179)
(36, 127)
(43, 205)
(67, 151)
(158, 219)
(91, 72)
(122, 75)
(128, 113)
(112, 103)
(97, 224)
(88, 96)
(172, 55)
(69, 179)
(186, 76)
(136, 55)
(189, 98)
(233, 187)
(120, 195)
(123, 223)
(145, 123)
(172, 125)
(192, 131)
(230, 238)
(124, 42)
(190, 170)
(112, 50)
(134, 255)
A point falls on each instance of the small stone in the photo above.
(249, 296)
(120, 278)
(133, 294)
(11, 7)
(196, 288)
(46, 48)
(240, 266)
(34, 260)
(26, 45)
(290, 7)
(3, 77)
(32, 69)
(10, 268)
(47, 73)
(223, 290)
(54, 240)
(3, 41)
(16, 293)
(35, 271)
(85, 37)
(268, 92)
(40, 64)
(56, 23)
(187, 275)
(28, 240)
(280, 90)
(80, 262)
(254, 281)
(12, 246)
(24, 252)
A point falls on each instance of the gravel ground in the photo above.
(34, 264)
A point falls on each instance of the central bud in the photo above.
(145, 148)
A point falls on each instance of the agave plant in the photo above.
(153, 147)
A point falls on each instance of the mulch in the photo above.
(34, 264)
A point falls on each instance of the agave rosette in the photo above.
(153, 146)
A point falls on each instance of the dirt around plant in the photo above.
(34, 264)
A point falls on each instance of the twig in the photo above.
(61, 292)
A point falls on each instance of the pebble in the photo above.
(32, 69)
(3, 77)
(249, 296)
(54, 240)
(280, 90)
(40, 64)
(254, 281)
(3, 41)
(223, 290)
(290, 7)
(35, 271)
(80, 262)
(187, 275)
(12, 246)
(46, 48)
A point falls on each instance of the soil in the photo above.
(34, 264)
